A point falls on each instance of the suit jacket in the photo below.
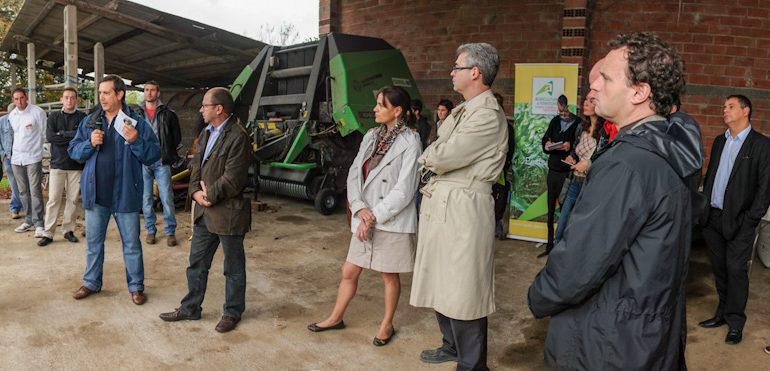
(389, 189)
(226, 174)
(747, 195)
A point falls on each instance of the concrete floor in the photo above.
(293, 260)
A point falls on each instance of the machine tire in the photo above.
(326, 201)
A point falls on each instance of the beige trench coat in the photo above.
(454, 269)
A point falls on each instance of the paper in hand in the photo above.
(121, 120)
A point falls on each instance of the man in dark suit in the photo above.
(738, 187)
(223, 215)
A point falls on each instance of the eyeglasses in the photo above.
(457, 68)
(209, 105)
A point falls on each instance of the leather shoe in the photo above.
(69, 236)
(226, 324)
(382, 342)
(138, 297)
(315, 328)
(438, 355)
(82, 293)
(734, 337)
(178, 315)
(44, 241)
(713, 322)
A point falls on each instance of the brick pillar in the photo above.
(328, 19)
(574, 41)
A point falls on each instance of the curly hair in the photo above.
(652, 61)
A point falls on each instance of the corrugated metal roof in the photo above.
(140, 43)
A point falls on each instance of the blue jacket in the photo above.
(6, 137)
(127, 191)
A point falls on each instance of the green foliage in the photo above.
(8, 11)
(530, 164)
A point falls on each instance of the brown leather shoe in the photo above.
(171, 240)
(226, 324)
(178, 315)
(150, 239)
(82, 293)
(138, 297)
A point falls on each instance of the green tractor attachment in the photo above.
(307, 108)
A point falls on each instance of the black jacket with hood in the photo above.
(615, 284)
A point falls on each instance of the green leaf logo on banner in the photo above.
(547, 88)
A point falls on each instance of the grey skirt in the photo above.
(388, 252)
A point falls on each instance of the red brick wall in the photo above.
(429, 32)
(725, 44)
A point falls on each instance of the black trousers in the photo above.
(554, 182)
(730, 262)
(466, 339)
(204, 245)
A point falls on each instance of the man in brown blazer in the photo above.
(223, 215)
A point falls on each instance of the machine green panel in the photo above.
(300, 142)
(356, 77)
(240, 82)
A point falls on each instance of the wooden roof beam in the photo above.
(40, 17)
(115, 64)
(152, 28)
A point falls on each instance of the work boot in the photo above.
(15, 215)
(150, 239)
(171, 240)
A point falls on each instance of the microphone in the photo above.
(98, 126)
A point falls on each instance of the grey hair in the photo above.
(483, 56)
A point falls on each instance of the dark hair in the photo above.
(417, 104)
(743, 100)
(153, 82)
(69, 88)
(117, 84)
(222, 96)
(677, 102)
(585, 122)
(446, 103)
(562, 100)
(652, 61)
(19, 90)
(398, 97)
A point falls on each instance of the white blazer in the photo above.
(390, 188)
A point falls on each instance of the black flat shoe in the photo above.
(382, 342)
(713, 322)
(315, 328)
(734, 337)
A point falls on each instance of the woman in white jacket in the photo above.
(381, 184)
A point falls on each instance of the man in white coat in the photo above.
(454, 267)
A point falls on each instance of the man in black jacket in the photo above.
(738, 187)
(165, 125)
(614, 286)
(562, 130)
(65, 172)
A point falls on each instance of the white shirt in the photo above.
(28, 135)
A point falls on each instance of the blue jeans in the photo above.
(97, 219)
(569, 201)
(15, 200)
(162, 175)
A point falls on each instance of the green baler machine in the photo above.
(307, 108)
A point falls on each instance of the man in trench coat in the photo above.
(454, 267)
